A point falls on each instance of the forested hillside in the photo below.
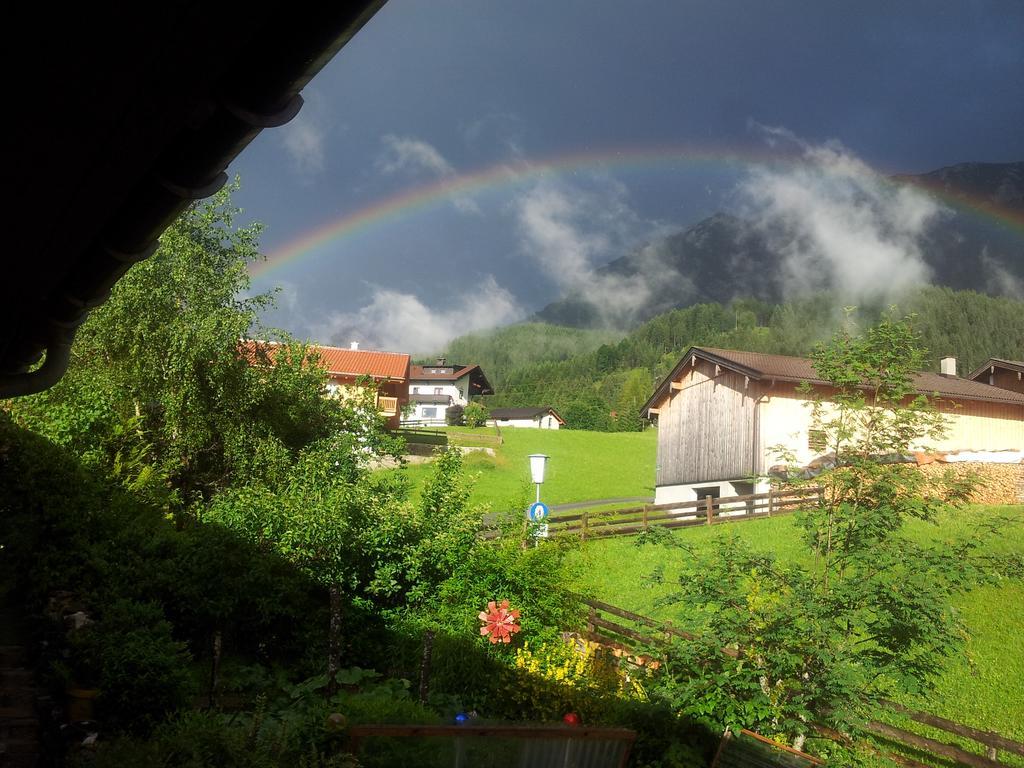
(597, 383)
(507, 349)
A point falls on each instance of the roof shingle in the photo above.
(339, 361)
(759, 365)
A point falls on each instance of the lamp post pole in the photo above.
(538, 512)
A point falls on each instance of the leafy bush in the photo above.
(475, 414)
(454, 415)
(142, 673)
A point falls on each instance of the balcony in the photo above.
(387, 405)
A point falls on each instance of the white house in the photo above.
(537, 418)
(435, 388)
(722, 414)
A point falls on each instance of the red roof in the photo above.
(359, 362)
(342, 362)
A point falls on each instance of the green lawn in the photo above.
(583, 466)
(983, 687)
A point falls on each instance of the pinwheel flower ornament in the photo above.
(499, 622)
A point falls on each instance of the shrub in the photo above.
(475, 414)
(455, 416)
(142, 673)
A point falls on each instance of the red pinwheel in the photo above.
(499, 622)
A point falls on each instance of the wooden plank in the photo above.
(988, 738)
(618, 629)
(802, 496)
(783, 747)
(839, 738)
(931, 745)
(358, 733)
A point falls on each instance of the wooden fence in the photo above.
(428, 436)
(529, 746)
(604, 626)
(706, 511)
(421, 436)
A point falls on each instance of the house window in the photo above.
(816, 440)
(429, 413)
(438, 390)
(415, 390)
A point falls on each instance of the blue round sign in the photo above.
(538, 511)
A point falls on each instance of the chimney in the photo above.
(947, 366)
(354, 346)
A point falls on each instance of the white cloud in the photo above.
(570, 232)
(839, 225)
(1000, 280)
(415, 157)
(402, 322)
(404, 153)
(303, 140)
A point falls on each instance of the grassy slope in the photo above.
(983, 687)
(583, 466)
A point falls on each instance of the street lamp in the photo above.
(538, 463)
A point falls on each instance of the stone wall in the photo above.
(1000, 483)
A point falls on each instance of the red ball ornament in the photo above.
(571, 718)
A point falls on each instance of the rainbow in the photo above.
(502, 175)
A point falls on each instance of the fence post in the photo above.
(583, 533)
(709, 505)
(771, 500)
(645, 517)
(591, 615)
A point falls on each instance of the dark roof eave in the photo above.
(995, 362)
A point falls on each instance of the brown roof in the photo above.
(478, 382)
(441, 372)
(759, 366)
(339, 361)
(995, 362)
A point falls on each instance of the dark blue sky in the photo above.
(432, 90)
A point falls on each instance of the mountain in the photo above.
(972, 246)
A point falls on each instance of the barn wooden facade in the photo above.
(725, 417)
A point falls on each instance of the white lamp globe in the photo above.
(538, 462)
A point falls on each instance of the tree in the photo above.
(589, 412)
(634, 393)
(872, 614)
(157, 374)
(476, 414)
(454, 415)
(331, 517)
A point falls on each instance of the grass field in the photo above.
(583, 466)
(982, 687)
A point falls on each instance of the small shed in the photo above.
(544, 417)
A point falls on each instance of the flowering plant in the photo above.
(499, 622)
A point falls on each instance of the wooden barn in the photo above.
(721, 414)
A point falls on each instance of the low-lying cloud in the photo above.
(570, 232)
(303, 140)
(838, 225)
(401, 322)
